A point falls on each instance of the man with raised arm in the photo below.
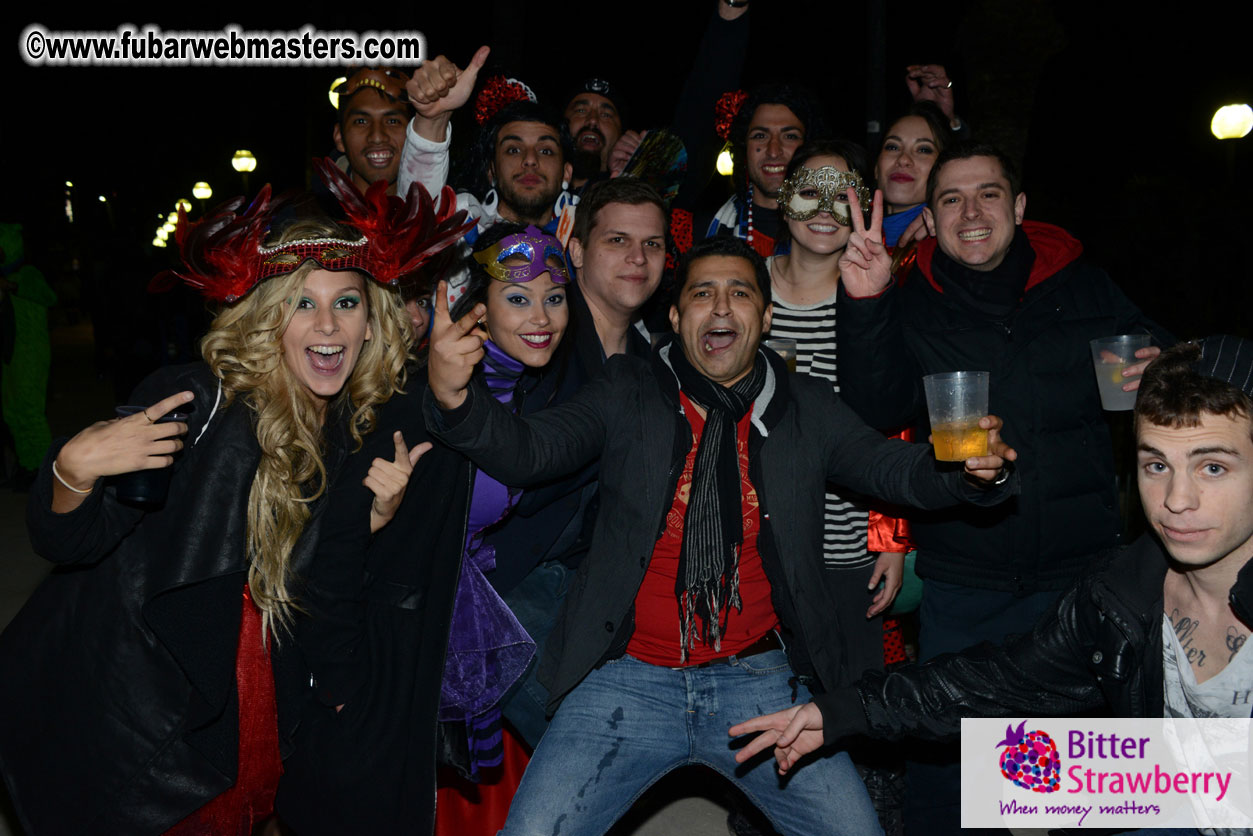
(370, 126)
(525, 153)
(703, 592)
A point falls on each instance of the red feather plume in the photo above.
(403, 234)
(220, 251)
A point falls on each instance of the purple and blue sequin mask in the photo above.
(533, 244)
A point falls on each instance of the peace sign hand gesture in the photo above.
(456, 348)
(865, 266)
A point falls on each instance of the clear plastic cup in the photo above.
(1110, 356)
(955, 403)
(785, 348)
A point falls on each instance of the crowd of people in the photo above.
(488, 506)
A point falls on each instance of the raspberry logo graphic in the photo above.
(1030, 759)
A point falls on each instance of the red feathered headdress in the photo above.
(225, 259)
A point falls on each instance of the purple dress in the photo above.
(488, 650)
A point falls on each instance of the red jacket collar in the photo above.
(1054, 249)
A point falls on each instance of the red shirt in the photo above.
(657, 616)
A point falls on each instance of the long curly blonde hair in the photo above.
(244, 348)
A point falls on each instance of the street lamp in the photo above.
(1232, 121)
(182, 203)
(202, 192)
(244, 162)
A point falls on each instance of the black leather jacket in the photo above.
(1101, 645)
(119, 711)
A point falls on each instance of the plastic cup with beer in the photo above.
(955, 403)
(1110, 357)
(785, 348)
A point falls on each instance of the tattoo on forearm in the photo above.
(1184, 628)
(1235, 641)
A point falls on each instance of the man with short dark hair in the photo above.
(522, 148)
(370, 128)
(1155, 629)
(618, 249)
(772, 122)
(703, 592)
(996, 293)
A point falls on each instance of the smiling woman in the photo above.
(404, 628)
(190, 597)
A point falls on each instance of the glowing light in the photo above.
(171, 218)
(332, 95)
(201, 191)
(68, 184)
(1232, 121)
(725, 165)
(157, 242)
(169, 227)
(243, 160)
(101, 198)
(183, 203)
(162, 234)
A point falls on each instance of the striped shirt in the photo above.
(813, 328)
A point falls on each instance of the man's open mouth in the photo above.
(718, 339)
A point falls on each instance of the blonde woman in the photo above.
(150, 684)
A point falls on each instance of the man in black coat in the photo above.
(1104, 642)
(703, 592)
(992, 292)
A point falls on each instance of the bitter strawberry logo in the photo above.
(1030, 759)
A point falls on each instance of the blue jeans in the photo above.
(628, 723)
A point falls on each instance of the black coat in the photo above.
(374, 635)
(1042, 385)
(1100, 645)
(119, 712)
(630, 417)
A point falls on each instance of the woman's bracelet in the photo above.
(68, 486)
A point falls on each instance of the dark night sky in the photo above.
(1111, 115)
